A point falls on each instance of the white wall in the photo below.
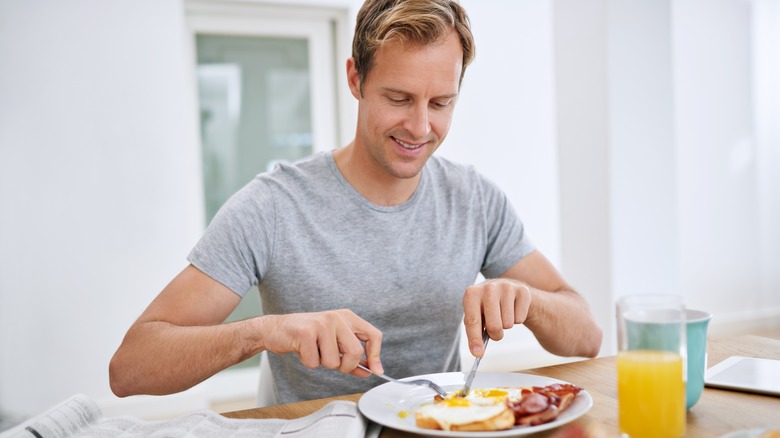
(642, 158)
(719, 220)
(766, 109)
(100, 185)
(582, 125)
(505, 119)
(666, 181)
(505, 125)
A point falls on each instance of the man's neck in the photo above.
(372, 182)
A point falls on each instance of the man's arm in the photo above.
(180, 339)
(533, 293)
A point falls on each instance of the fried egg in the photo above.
(479, 405)
(480, 395)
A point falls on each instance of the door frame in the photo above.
(333, 108)
(325, 29)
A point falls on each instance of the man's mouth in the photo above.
(410, 146)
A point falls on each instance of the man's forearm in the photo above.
(563, 324)
(160, 358)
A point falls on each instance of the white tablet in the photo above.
(748, 374)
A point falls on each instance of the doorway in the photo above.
(267, 93)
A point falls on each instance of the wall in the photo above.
(582, 126)
(100, 179)
(668, 158)
(505, 126)
(99, 185)
(765, 35)
(505, 119)
(719, 220)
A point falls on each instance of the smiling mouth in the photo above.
(409, 146)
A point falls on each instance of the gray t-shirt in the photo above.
(311, 242)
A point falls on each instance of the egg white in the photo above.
(485, 395)
(448, 416)
(479, 405)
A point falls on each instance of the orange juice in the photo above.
(651, 394)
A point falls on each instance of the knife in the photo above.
(470, 378)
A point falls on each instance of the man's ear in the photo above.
(353, 78)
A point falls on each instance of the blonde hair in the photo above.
(418, 22)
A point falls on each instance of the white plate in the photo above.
(393, 405)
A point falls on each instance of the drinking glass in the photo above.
(651, 366)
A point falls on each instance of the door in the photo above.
(266, 93)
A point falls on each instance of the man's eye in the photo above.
(397, 100)
(442, 104)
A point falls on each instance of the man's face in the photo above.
(406, 106)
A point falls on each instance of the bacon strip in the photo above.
(543, 404)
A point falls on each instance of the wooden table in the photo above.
(717, 412)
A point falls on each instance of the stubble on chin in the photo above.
(401, 168)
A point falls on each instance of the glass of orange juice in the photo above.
(651, 366)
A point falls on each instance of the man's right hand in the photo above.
(332, 339)
(181, 340)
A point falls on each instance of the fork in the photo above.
(417, 382)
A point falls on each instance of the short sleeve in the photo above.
(237, 245)
(507, 241)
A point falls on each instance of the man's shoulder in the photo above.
(286, 180)
(454, 174)
(300, 173)
(461, 183)
(311, 164)
(444, 167)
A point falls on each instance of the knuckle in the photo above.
(352, 350)
(471, 290)
(471, 320)
(330, 315)
(330, 363)
(309, 362)
(343, 314)
(494, 327)
(307, 337)
(473, 293)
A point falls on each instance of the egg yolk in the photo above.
(493, 393)
(457, 402)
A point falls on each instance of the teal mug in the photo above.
(666, 336)
(696, 334)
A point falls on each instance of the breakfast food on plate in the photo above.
(481, 409)
(487, 409)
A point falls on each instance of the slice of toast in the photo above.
(502, 421)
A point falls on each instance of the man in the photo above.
(370, 248)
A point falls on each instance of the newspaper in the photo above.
(79, 416)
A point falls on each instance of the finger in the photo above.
(472, 320)
(373, 361)
(337, 342)
(308, 351)
(492, 311)
(329, 349)
(372, 339)
(351, 349)
(508, 299)
(360, 372)
(522, 303)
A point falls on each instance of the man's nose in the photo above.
(418, 123)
